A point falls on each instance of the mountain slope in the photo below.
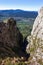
(18, 13)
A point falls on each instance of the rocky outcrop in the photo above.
(38, 25)
(35, 46)
(11, 39)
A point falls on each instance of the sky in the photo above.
(32, 5)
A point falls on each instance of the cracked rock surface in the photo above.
(35, 46)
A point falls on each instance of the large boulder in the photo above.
(35, 46)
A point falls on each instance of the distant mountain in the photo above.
(18, 13)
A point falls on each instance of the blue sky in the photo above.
(21, 4)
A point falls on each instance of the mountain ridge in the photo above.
(18, 13)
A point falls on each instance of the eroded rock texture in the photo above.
(11, 39)
(35, 46)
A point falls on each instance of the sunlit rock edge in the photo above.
(35, 41)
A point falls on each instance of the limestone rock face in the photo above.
(10, 38)
(38, 25)
(35, 45)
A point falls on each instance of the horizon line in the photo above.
(18, 9)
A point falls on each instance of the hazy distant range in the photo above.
(17, 14)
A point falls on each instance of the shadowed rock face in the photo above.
(10, 34)
(11, 39)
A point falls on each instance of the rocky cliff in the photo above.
(38, 25)
(11, 39)
(35, 46)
